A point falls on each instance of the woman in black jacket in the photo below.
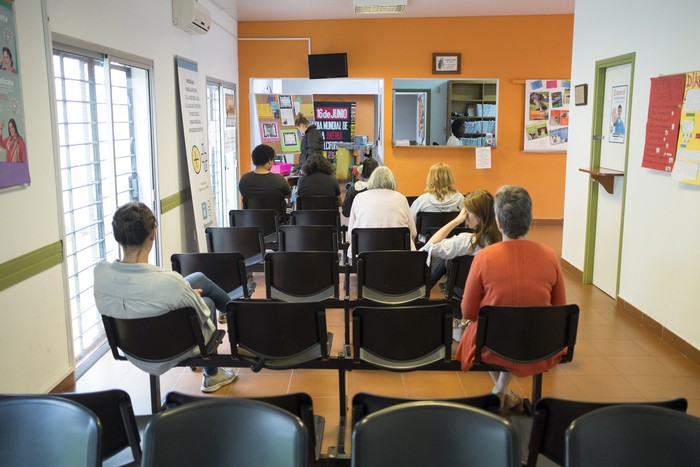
(312, 142)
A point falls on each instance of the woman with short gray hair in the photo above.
(513, 208)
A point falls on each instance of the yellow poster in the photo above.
(685, 168)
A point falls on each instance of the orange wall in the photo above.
(509, 48)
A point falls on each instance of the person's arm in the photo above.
(347, 203)
(451, 247)
(558, 289)
(445, 230)
(284, 186)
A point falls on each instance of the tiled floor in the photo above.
(615, 360)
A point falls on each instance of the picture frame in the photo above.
(447, 63)
(581, 94)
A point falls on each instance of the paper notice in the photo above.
(483, 157)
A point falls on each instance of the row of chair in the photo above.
(89, 429)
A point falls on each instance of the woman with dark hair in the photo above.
(312, 141)
(132, 288)
(365, 169)
(14, 143)
(7, 63)
(318, 178)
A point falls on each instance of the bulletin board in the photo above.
(546, 126)
(276, 114)
(687, 165)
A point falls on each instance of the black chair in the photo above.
(457, 273)
(637, 435)
(402, 338)
(227, 270)
(308, 238)
(411, 199)
(364, 404)
(267, 219)
(431, 221)
(157, 339)
(276, 202)
(438, 434)
(247, 241)
(299, 404)
(303, 276)
(393, 277)
(553, 416)
(47, 430)
(316, 202)
(225, 431)
(376, 239)
(526, 335)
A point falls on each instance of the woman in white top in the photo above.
(440, 194)
(458, 127)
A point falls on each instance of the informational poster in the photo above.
(618, 117)
(276, 114)
(687, 166)
(194, 121)
(547, 104)
(14, 166)
(336, 122)
(663, 118)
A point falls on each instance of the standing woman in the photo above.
(312, 141)
(440, 194)
(14, 143)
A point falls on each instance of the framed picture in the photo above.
(447, 63)
(269, 131)
(581, 94)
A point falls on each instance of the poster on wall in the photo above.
(14, 166)
(546, 115)
(687, 166)
(194, 121)
(618, 107)
(663, 118)
(276, 114)
(336, 122)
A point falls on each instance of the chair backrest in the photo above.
(375, 239)
(319, 217)
(278, 334)
(227, 270)
(393, 277)
(553, 416)
(302, 276)
(316, 202)
(47, 430)
(426, 220)
(299, 404)
(419, 335)
(527, 334)
(308, 238)
(116, 414)
(438, 434)
(637, 435)
(457, 273)
(247, 241)
(364, 404)
(411, 199)
(266, 219)
(220, 431)
(276, 202)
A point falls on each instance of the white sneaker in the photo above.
(217, 381)
(458, 331)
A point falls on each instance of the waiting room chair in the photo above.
(223, 432)
(410, 200)
(159, 338)
(376, 239)
(553, 416)
(276, 202)
(48, 431)
(316, 202)
(431, 221)
(402, 338)
(436, 434)
(267, 219)
(320, 217)
(308, 238)
(527, 334)
(393, 277)
(227, 270)
(457, 273)
(364, 404)
(303, 276)
(299, 404)
(637, 435)
(248, 241)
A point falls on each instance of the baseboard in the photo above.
(67, 385)
(547, 222)
(571, 269)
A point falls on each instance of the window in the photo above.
(104, 131)
(223, 159)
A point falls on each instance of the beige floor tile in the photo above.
(316, 383)
(433, 384)
(617, 347)
(666, 387)
(387, 383)
(588, 365)
(608, 388)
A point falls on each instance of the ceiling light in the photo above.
(379, 6)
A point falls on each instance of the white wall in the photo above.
(35, 322)
(660, 254)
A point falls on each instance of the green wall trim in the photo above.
(23, 267)
(171, 202)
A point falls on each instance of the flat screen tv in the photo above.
(328, 66)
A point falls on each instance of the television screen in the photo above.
(328, 66)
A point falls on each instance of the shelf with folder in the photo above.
(475, 103)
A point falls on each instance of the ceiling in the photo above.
(285, 10)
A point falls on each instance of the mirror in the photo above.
(424, 111)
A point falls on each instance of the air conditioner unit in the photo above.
(190, 16)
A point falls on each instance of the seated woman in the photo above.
(318, 178)
(440, 194)
(365, 170)
(514, 272)
(381, 205)
(131, 288)
(479, 216)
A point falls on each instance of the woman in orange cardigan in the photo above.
(513, 272)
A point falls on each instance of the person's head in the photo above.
(367, 167)
(619, 111)
(317, 164)
(262, 155)
(458, 127)
(12, 127)
(133, 224)
(301, 122)
(6, 56)
(382, 177)
(440, 181)
(481, 218)
(513, 208)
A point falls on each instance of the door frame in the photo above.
(601, 68)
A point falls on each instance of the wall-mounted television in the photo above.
(328, 66)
